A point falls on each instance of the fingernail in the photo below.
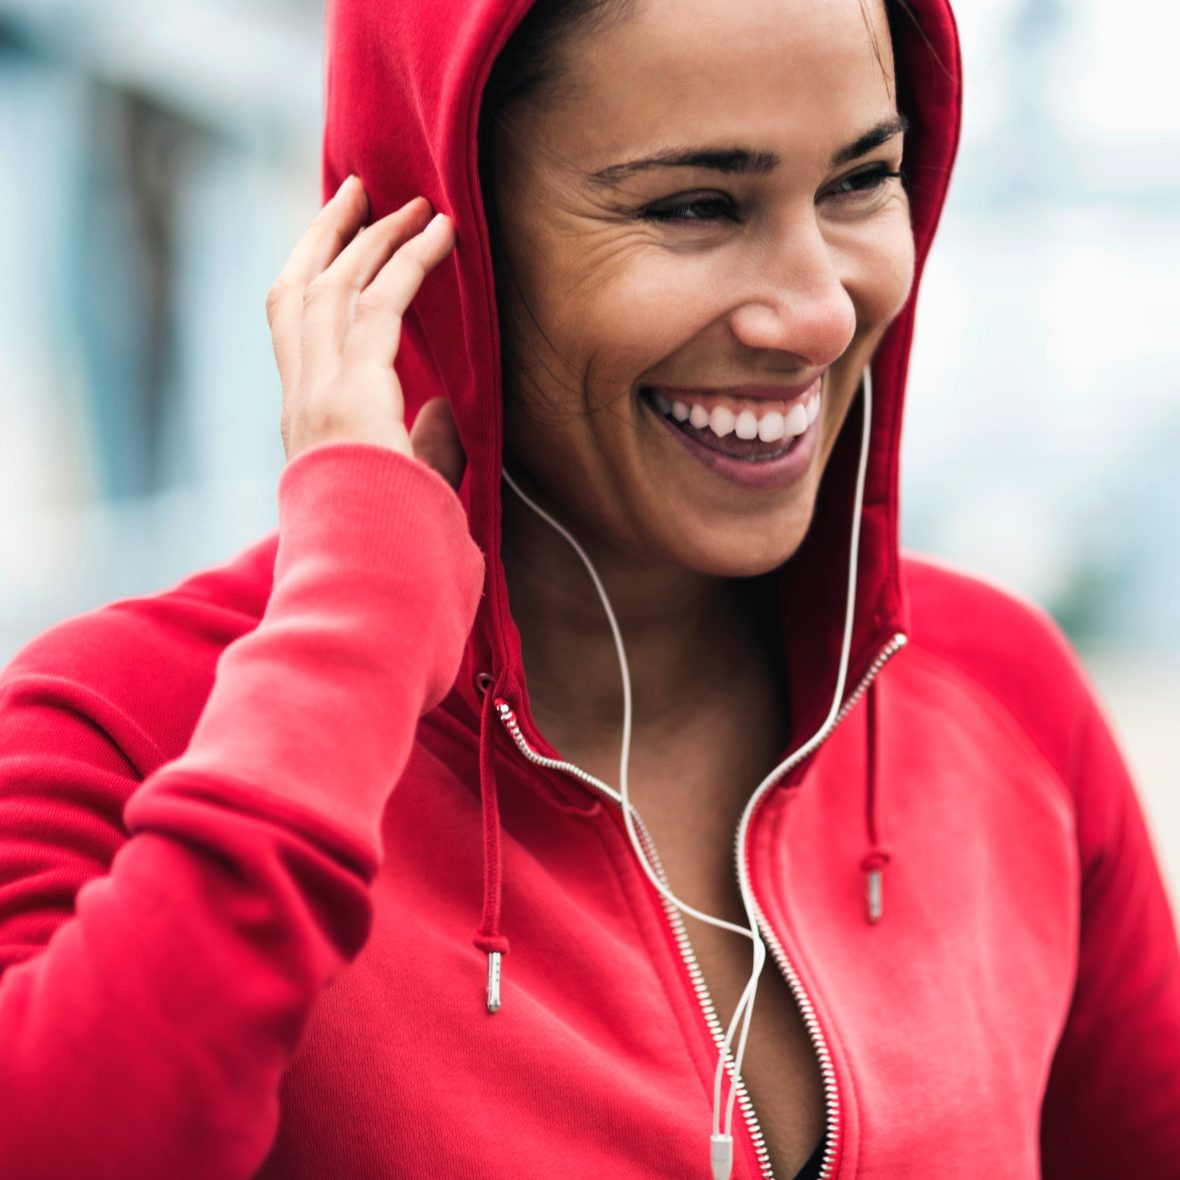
(346, 182)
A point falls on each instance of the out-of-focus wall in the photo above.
(1043, 422)
(157, 162)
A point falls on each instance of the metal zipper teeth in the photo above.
(803, 1001)
(675, 919)
(680, 930)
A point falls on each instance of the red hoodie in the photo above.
(317, 766)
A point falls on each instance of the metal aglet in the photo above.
(874, 905)
(493, 981)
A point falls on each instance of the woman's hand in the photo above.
(335, 315)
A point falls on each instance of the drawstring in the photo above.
(488, 937)
(873, 864)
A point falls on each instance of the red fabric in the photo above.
(214, 801)
(168, 915)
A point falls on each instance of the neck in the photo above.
(689, 637)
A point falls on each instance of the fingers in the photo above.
(335, 225)
(361, 260)
(328, 300)
(376, 328)
(336, 314)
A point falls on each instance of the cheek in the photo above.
(879, 271)
(614, 316)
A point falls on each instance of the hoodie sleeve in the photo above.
(1112, 1107)
(147, 1016)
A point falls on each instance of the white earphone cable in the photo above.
(722, 1140)
(625, 750)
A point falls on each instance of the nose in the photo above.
(796, 301)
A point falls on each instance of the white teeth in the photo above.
(772, 427)
(721, 421)
(746, 425)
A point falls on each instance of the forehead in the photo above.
(794, 72)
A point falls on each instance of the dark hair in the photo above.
(531, 57)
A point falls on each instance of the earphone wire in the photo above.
(743, 1012)
(625, 750)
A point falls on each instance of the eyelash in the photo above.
(859, 184)
(877, 175)
(721, 207)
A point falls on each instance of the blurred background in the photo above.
(159, 158)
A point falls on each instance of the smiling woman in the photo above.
(590, 514)
(790, 251)
(683, 439)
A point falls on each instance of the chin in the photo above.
(747, 551)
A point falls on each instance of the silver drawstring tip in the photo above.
(874, 905)
(493, 981)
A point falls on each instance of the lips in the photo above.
(751, 464)
(732, 395)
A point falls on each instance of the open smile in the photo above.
(753, 441)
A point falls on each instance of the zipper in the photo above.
(680, 930)
(802, 999)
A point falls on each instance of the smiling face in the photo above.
(701, 238)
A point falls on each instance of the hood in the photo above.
(403, 88)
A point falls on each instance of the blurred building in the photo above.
(1044, 415)
(160, 160)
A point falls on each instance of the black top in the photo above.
(810, 1170)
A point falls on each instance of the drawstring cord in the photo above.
(488, 937)
(874, 862)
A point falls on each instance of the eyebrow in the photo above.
(743, 161)
(871, 140)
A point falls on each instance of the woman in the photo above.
(668, 311)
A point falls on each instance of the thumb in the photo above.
(435, 440)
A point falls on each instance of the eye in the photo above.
(695, 208)
(867, 182)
